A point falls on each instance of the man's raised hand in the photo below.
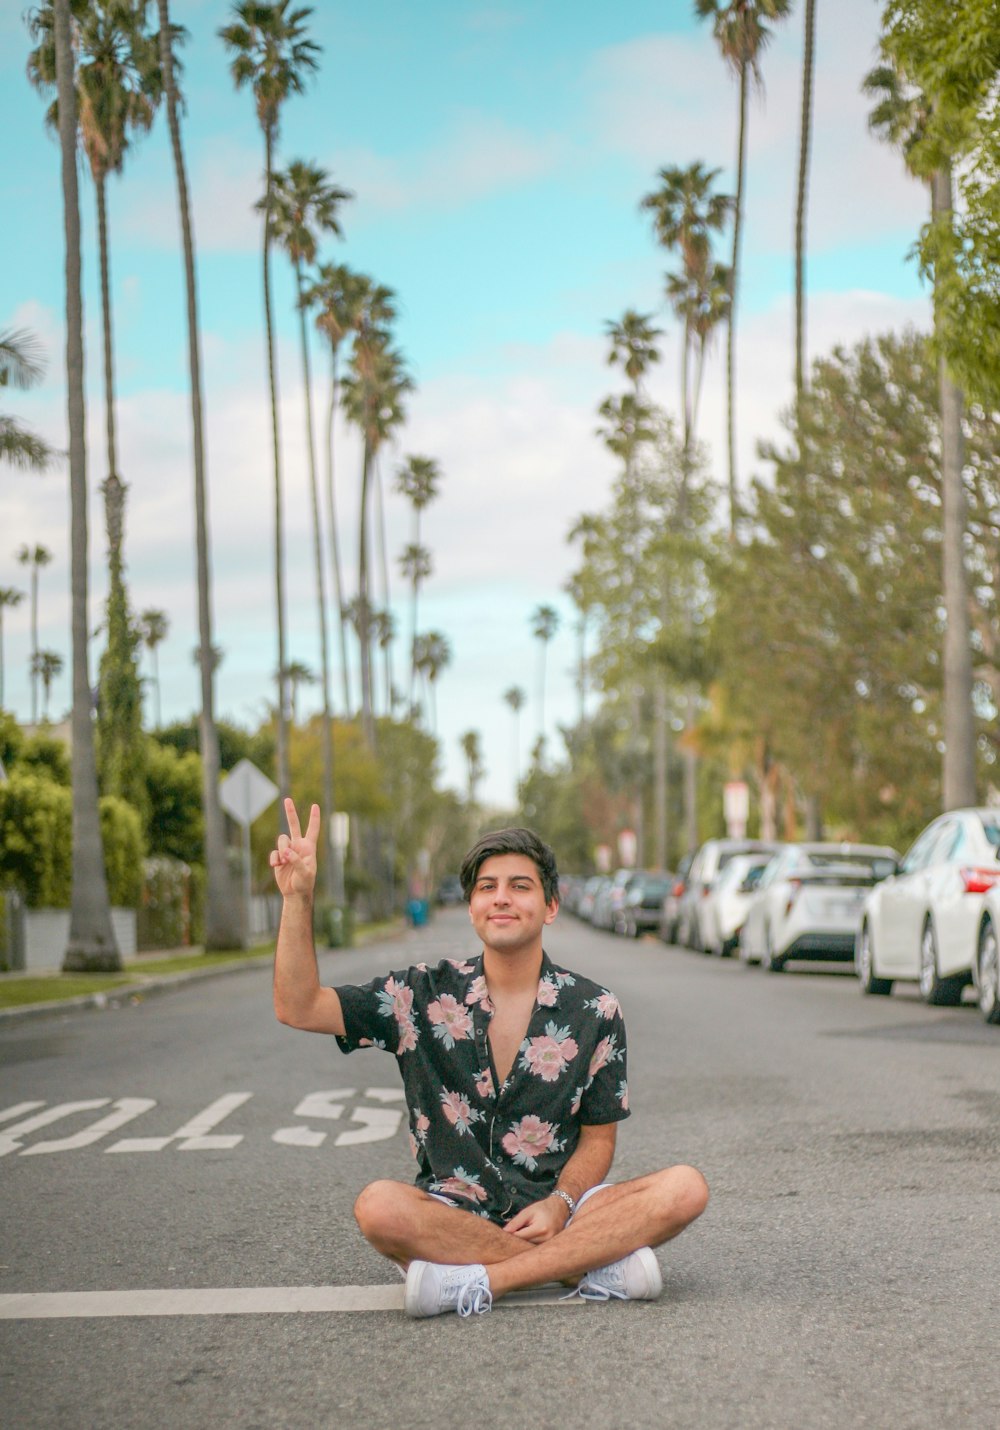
(294, 860)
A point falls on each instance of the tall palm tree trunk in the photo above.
(338, 584)
(959, 766)
(279, 532)
(734, 280)
(805, 139)
(91, 944)
(383, 549)
(34, 643)
(364, 611)
(222, 921)
(324, 644)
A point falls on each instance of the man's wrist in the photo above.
(299, 900)
(564, 1196)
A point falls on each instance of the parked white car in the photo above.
(710, 860)
(725, 907)
(809, 902)
(924, 923)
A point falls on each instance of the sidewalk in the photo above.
(140, 979)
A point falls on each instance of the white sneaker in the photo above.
(635, 1278)
(432, 1289)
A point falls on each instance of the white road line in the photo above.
(192, 1137)
(9, 1139)
(124, 1110)
(232, 1301)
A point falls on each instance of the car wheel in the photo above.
(989, 972)
(773, 962)
(865, 966)
(938, 991)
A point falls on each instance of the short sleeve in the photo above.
(605, 1093)
(378, 1014)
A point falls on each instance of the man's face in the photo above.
(507, 906)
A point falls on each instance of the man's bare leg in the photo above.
(405, 1224)
(613, 1223)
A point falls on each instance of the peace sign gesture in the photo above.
(294, 860)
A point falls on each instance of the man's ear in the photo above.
(551, 909)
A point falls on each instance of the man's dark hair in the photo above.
(511, 841)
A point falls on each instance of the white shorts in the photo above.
(451, 1202)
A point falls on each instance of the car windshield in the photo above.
(879, 866)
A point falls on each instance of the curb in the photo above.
(150, 986)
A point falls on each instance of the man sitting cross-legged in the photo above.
(514, 1073)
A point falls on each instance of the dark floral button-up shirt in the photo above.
(496, 1151)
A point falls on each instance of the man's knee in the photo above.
(379, 1210)
(688, 1190)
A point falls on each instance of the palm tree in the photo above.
(741, 32)
(118, 84)
(305, 205)
(900, 117)
(222, 923)
(373, 400)
(433, 654)
(21, 365)
(91, 945)
(515, 698)
(805, 137)
(36, 557)
(544, 624)
(272, 54)
(383, 629)
(341, 298)
(47, 664)
(154, 626)
(687, 213)
(9, 596)
(296, 674)
(416, 564)
(633, 344)
(472, 750)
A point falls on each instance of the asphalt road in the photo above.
(844, 1275)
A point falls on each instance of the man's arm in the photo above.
(299, 1000)
(588, 1167)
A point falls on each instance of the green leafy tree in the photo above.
(904, 115)
(21, 365)
(272, 53)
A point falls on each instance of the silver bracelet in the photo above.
(558, 1192)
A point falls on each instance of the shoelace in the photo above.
(474, 1298)
(589, 1290)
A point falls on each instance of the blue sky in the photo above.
(498, 155)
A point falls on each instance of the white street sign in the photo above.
(246, 792)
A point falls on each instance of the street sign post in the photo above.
(245, 793)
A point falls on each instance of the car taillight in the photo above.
(678, 889)
(794, 886)
(979, 881)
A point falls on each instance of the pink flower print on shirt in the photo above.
(451, 1022)
(461, 1184)
(547, 993)
(622, 1094)
(530, 1139)
(421, 1127)
(396, 1001)
(547, 1056)
(605, 1005)
(459, 1112)
(479, 993)
(484, 1083)
(604, 1053)
(460, 965)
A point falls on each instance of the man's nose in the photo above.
(501, 894)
